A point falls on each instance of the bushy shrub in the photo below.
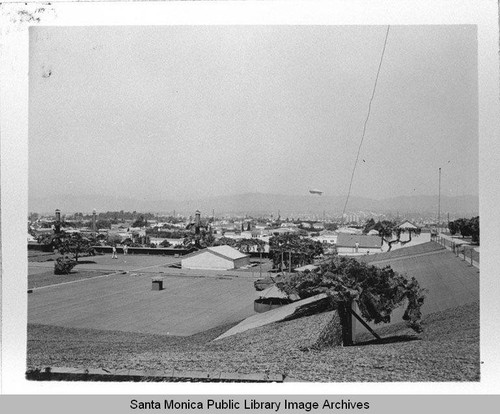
(376, 291)
(63, 265)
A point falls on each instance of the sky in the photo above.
(187, 112)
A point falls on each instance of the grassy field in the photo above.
(41, 270)
(48, 278)
(447, 350)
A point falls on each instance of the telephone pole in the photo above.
(439, 198)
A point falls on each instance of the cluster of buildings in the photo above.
(345, 240)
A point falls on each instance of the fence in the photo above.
(465, 252)
(146, 250)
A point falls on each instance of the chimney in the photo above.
(94, 226)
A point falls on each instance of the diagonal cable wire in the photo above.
(366, 122)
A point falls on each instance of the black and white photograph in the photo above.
(253, 203)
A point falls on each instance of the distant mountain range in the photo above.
(259, 203)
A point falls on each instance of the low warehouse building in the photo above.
(216, 258)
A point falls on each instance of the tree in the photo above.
(391, 233)
(140, 222)
(453, 227)
(33, 217)
(74, 244)
(248, 245)
(377, 291)
(225, 241)
(331, 226)
(113, 239)
(466, 228)
(102, 224)
(293, 250)
(165, 243)
(369, 225)
(474, 229)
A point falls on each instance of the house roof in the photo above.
(224, 251)
(227, 251)
(273, 291)
(328, 233)
(407, 224)
(348, 230)
(350, 240)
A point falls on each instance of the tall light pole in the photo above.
(439, 198)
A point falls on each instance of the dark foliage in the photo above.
(63, 265)
(390, 232)
(466, 227)
(376, 291)
(74, 244)
(165, 243)
(293, 248)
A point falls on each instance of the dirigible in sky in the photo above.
(314, 191)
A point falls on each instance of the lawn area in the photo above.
(48, 278)
(41, 267)
(447, 350)
(37, 256)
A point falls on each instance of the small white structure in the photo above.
(407, 224)
(215, 258)
(349, 230)
(309, 267)
(327, 237)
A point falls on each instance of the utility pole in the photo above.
(439, 198)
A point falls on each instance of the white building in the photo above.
(215, 258)
(407, 224)
(326, 236)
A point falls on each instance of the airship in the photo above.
(314, 191)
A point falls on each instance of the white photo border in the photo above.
(14, 163)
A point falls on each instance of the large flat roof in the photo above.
(227, 251)
(121, 298)
(188, 305)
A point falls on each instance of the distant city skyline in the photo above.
(190, 112)
(254, 203)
